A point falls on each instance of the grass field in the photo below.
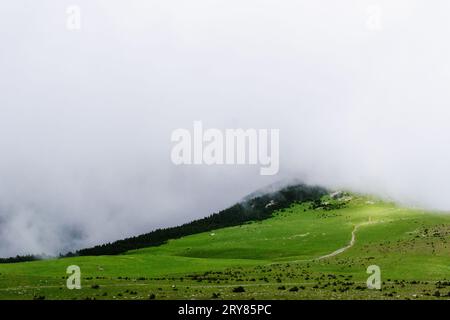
(284, 257)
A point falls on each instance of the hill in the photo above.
(309, 250)
(254, 207)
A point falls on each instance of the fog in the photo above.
(358, 89)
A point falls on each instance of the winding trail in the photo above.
(351, 244)
(334, 253)
(353, 240)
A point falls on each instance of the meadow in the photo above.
(292, 255)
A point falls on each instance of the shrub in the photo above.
(239, 289)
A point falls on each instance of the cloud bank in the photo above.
(86, 116)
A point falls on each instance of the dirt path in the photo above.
(351, 244)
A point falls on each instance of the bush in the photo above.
(239, 289)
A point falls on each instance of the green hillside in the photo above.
(292, 255)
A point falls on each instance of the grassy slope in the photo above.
(263, 257)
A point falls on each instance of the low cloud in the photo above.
(86, 115)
